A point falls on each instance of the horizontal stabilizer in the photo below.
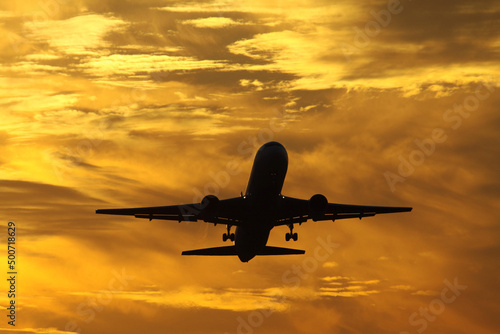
(270, 250)
(231, 250)
(225, 250)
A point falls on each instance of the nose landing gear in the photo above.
(228, 235)
(291, 235)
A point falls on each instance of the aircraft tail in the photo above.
(231, 250)
(225, 250)
(270, 250)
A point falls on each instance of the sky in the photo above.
(109, 104)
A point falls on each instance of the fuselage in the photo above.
(262, 195)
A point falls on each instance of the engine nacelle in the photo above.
(317, 207)
(209, 207)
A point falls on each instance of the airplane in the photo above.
(256, 213)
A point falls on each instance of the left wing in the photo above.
(226, 211)
(294, 210)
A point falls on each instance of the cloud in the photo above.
(330, 264)
(238, 300)
(212, 22)
(339, 293)
(79, 35)
(130, 65)
(34, 331)
(402, 287)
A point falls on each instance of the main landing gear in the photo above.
(291, 235)
(228, 235)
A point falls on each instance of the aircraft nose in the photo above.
(271, 144)
(273, 148)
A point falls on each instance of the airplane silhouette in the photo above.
(258, 211)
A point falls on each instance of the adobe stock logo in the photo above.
(426, 147)
(436, 307)
(363, 38)
(87, 311)
(291, 278)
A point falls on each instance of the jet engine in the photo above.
(209, 207)
(317, 207)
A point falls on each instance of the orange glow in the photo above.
(109, 104)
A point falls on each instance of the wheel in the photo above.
(232, 236)
(295, 236)
(287, 237)
(224, 237)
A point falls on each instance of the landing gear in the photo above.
(291, 235)
(228, 235)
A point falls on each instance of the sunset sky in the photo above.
(109, 104)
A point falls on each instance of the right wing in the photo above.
(228, 211)
(294, 210)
